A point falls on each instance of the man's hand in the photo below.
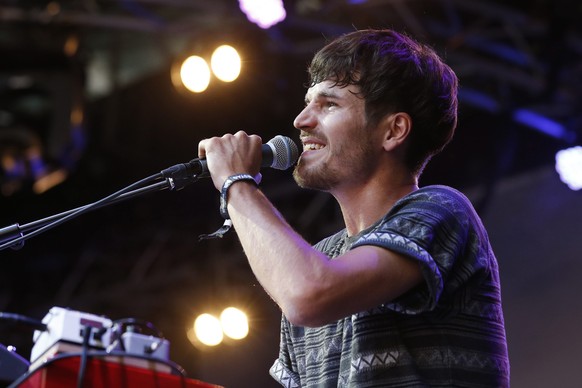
(231, 154)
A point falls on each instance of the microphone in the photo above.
(279, 153)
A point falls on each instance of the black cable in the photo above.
(82, 210)
(18, 319)
(174, 178)
(84, 355)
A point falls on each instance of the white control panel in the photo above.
(69, 331)
(67, 327)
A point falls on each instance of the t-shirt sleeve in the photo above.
(431, 227)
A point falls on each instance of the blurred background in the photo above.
(96, 95)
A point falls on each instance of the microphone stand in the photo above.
(173, 178)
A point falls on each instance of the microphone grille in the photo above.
(285, 152)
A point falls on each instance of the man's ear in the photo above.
(397, 127)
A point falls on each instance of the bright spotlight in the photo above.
(569, 166)
(208, 330)
(195, 74)
(225, 63)
(234, 323)
(264, 13)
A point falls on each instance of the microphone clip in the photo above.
(180, 175)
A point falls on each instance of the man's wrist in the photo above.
(226, 186)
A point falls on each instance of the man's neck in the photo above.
(363, 206)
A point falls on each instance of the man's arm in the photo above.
(310, 289)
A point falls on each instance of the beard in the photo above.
(354, 158)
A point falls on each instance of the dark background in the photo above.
(141, 258)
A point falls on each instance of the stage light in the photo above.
(543, 124)
(264, 13)
(195, 74)
(234, 323)
(71, 46)
(569, 167)
(225, 63)
(208, 330)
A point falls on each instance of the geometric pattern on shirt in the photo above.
(280, 373)
(491, 311)
(462, 358)
(393, 239)
(435, 213)
(370, 361)
(388, 239)
(314, 356)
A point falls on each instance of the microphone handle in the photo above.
(279, 153)
(199, 166)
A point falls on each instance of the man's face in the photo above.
(338, 146)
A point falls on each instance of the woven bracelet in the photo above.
(224, 192)
(224, 204)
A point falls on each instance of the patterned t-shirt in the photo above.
(446, 332)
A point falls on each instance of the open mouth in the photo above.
(312, 146)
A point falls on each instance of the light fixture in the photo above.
(225, 63)
(264, 13)
(195, 74)
(569, 167)
(234, 323)
(207, 330)
(210, 330)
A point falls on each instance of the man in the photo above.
(408, 293)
